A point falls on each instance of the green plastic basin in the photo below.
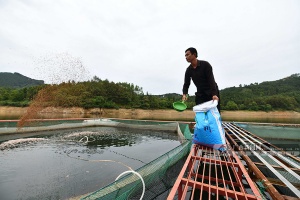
(179, 106)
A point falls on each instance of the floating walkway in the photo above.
(276, 170)
(251, 168)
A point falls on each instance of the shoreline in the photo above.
(274, 117)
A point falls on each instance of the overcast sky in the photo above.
(143, 41)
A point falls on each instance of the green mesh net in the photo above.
(158, 175)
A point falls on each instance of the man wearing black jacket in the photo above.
(202, 75)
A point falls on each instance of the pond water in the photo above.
(273, 132)
(285, 137)
(62, 164)
(262, 119)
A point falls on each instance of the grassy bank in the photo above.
(167, 115)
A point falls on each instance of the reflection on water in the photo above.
(64, 164)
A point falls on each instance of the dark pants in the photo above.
(204, 98)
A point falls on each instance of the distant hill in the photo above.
(280, 94)
(283, 94)
(16, 80)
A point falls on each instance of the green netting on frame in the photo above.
(147, 124)
(159, 175)
(142, 122)
(186, 131)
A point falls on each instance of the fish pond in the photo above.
(63, 164)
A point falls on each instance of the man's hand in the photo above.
(215, 97)
(184, 97)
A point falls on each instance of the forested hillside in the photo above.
(95, 93)
(283, 94)
(16, 80)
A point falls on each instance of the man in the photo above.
(202, 75)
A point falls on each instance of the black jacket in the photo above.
(202, 77)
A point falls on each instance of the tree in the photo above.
(231, 105)
(253, 106)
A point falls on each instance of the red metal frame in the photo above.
(214, 173)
